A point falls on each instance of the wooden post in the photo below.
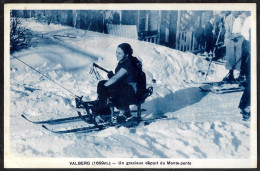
(178, 30)
(138, 20)
(159, 26)
(200, 18)
(173, 17)
(103, 21)
(190, 39)
(193, 40)
(146, 21)
(120, 14)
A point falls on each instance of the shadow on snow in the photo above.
(174, 101)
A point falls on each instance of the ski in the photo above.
(55, 121)
(88, 129)
(149, 121)
(92, 128)
(133, 122)
(223, 90)
(216, 82)
(209, 83)
(130, 123)
(85, 119)
(227, 90)
(64, 120)
(76, 130)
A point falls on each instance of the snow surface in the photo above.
(198, 125)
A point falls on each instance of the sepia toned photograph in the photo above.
(127, 86)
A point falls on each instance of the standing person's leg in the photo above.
(211, 42)
(230, 60)
(238, 53)
(207, 49)
(230, 55)
(245, 99)
(244, 104)
(244, 57)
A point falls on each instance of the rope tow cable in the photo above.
(44, 75)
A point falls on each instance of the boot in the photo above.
(123, 116)
(240, 78)
(229, 77)
(246, 116)
(246, 113)
(101, 107)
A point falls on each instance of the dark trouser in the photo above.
(245, 99)
(245, 64)
(121, 94)
(209, 43)
(220, 52)
(200, 43)
(245, 69)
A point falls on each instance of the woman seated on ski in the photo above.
(121, 86)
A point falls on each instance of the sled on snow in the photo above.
(107, 115)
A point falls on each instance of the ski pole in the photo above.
(96, 65)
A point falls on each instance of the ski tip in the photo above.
(45, 127)
(25, 118)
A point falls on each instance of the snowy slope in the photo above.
(198, 124)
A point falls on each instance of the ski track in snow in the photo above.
(199, 124)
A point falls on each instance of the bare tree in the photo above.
(19, 36)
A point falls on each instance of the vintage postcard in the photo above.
(130, 85)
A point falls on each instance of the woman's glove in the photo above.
(110, 74)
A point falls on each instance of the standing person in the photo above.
(216, 28)
(234, 46)
(222, 28)
(209, 35)
(244, 104)
(219, 49)
(121, 86)
(229, 21)
(199, 35)
(228, 24)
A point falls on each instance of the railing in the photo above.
(152, 39)
(185, 41)
(148, 36)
